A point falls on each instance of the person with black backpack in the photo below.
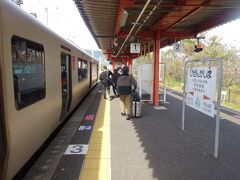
(126, 84)
(105, 78)
(116, 74)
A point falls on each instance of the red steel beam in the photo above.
(129, 3)
(177, 34)
(123, 35)
(174, 5)
(122, 4)
(195, 10)
(124, 57)
(200, 5)
(181, 3)
(119, 16)
(150, 34)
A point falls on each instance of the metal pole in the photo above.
(218, 109)
(140, 15)
(184, 95)
(46, 10)
(164, 91)
(140, 79)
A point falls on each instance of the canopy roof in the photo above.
(174, 19)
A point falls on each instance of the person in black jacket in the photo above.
(125, 85)
(105, 78)
(115, 76)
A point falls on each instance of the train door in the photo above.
(90, 76)
(97, 71)
(66, 84)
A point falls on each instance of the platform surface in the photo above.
(152, 147)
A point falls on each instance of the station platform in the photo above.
(99, 143)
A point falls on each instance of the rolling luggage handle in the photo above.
(136, 105)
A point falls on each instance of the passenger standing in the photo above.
(120, 72)
(114, 79)
(125, 85)
(106, 82)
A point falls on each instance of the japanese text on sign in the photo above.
(201, 88)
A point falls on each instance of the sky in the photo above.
(62, 16)
(229, 32)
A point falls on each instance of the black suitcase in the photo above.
(136, 105)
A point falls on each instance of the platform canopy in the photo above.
(114, 24)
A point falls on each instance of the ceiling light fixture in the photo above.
(124, 18)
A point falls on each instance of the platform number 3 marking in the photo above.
(76, 149)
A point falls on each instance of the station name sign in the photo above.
(201, 89)
(201, 73)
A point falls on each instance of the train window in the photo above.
(28, 71)
(82, 69)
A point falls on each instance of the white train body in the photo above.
(42, 79)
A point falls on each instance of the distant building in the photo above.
(34, 14)
(18, 2)
(97, 54)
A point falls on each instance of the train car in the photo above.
(42, 79)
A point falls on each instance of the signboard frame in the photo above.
(140, 70)
(163, 79)
(217, 103)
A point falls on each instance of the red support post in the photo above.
(113, 65)
(130, 65)
(130, 62)
(156, 68)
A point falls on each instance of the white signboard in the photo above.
(201, 88)
(147, 78)
(177, 47)
(135, 48)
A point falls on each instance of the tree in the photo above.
(213, 49)
(174, 65)
(231, 68)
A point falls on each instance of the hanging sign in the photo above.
(201, 89)
(135, 48)
(177, 47)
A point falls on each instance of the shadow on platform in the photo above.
(176, 154)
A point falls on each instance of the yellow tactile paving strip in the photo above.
(97, 163)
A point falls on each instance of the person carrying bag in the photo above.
(125, 85)
(106, 82)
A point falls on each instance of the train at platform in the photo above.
(43, 77)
